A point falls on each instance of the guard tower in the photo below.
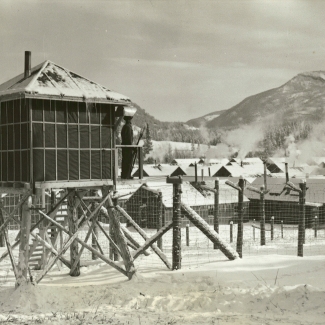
(57, 132)
(57, 128)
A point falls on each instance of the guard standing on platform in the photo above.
(127, 153)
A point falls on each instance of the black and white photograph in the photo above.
(162, 162)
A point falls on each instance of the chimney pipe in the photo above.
(287, 173)
(27, 69)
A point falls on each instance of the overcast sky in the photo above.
(177, 59)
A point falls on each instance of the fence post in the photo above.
(301, 226)
(159, 219)
(231, 231)
(216, 209)
(187, 235)
(239, 246)
(272, 228)
(281, 228)
(254, 229)
(315, 226)
(262, 216)
(177, 235)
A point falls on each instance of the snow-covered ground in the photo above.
(270, 285)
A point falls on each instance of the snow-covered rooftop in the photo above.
(50, 79)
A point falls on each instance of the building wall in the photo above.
(288, 212)
(147, 217)
(70, 140)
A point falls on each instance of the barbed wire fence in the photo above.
(281, 219)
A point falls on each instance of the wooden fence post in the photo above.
(301, 226)
(254, 229)
(281, 228)
(177, 235)
(159, 219)
(262, 216)
(73, 226)
(272, 228)
(25, 225)
(216, 209)
(240, 230)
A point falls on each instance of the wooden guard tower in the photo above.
(58, 132)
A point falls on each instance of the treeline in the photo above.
(173, 131)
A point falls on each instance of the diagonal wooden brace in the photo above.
(52, 249)
(153, 239)
(12, 213)
(154, 247)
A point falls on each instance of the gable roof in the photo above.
(50, 79)
(227, 194)
(190, 195)
(186, 161)
(156, 170)
(279, 191)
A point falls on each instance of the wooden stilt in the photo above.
(82, 249)
(73, 226)
(120, 239)
(94, 237)
(24, 241)
(7, 243)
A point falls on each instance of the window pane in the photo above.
(84, 136)
(4, 119)
(73, 112)
(37, 107)
(17, 135)
(49, 135)
(10, 137)
(73, 136)
(95, 137)
(38, 135)
(61, 114)
(84, 164)
(24, 136)
(10, 113)
(62, 164)
(95, 164)
(16, 110)
(38, 165)
(50, 165)
(83, 113)
(73, 164)
(106, 164)
(49, 111)
(61, 134)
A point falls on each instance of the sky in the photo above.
(176, 59)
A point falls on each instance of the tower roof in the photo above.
(49, 80)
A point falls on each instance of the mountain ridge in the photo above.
(302, 97)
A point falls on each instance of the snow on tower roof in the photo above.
(51, 80)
